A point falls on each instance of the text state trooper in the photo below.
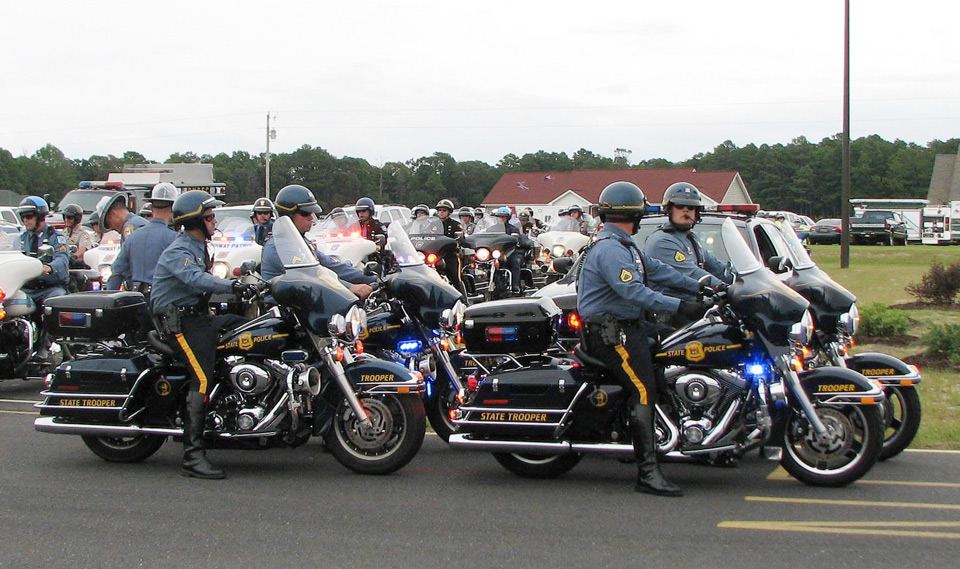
(181, 291)
(612, 300)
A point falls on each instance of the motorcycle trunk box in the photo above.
(94, 387)
(516, 325)
(94, 315)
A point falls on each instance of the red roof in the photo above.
(541, 188)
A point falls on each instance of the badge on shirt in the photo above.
(626, 276)
(679, 257)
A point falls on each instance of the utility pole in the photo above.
(845, 152)
(270, 134)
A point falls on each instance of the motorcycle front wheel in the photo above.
(537, 465)
(901, 419)
(392, 440)
(438, 409)
(849, 452)
(124, 449)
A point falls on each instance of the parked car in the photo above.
(881, 226)
(9, 214)
(825, 232)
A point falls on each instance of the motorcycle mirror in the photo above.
(248, 267)
(45, 252)
(371, 268)
(380, 240)
(779, 264)
(562, 264)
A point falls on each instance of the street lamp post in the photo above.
(271, 134)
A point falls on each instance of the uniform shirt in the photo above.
(261, 231)
(371, 227)
(30, 242)
(271, 265)
(139, 254)
(612, 280)
(81, 238)
(450, 227)
(181, 278)
(131, 224)
(683, 251)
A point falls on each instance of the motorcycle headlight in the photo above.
(802, 331)
(220, 270)
(106, 271)
(337, 325)
(851, 320)
(356, 322)
(497, 253)
(558, 251)
(483, 254)
(453, 317)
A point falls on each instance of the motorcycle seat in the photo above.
(587, 359)
(155, 341)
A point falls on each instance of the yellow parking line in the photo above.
(849, 528)
(780, 474)
(864, 503)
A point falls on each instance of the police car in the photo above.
(233, 242)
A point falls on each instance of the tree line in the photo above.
(800, 176)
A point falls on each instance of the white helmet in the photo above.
(165, 193)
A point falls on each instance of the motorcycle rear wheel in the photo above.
(537, 465)
(399, 424)
(852, 450)
(438, 409)
(901, 419)
(124, 449)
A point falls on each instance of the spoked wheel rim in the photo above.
(382, 438)
(893, 412)
(842, 450)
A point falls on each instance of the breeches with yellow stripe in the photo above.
(197, 346)
(630, 364)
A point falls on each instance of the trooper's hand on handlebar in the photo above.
(693, 310)
(361, 290)
(245, 290)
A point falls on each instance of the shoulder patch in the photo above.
(679, 257)
(128, 230)
(626, 276)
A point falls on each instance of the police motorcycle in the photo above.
(561, 243)
(101, 256)
(730, 382)
(427, 237)
(491, 247)
(411, 319)
(836, 316)
(284, 377)
(19, 332)
(338, 236)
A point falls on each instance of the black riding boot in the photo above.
(649, 477)
(195, 461)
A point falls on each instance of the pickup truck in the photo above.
(878, 226)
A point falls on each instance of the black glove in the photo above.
(244, 290)
(692, 310)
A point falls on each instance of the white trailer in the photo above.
(911, 210)
(941, 224)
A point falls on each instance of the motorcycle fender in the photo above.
(381, 376)
(839, 386)
(888, 370)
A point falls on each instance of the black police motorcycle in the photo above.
(492, 246)
(283, 377)
(729, 383)
(836, 316)
(410, 320)
(427, 235)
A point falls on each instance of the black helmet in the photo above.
(189, 207)
(465, 211)
(366, 204)
(621, 201)
(682, 193)
(35, 205)
(146, 211)
(294, 198)
(420, 208)
(479, 212)
(72, 211)
(445, 204)
(524, 216)
(261, 205)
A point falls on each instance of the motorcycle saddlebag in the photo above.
(94, 315)
(515, 325)
(95, 387)
(522, 401)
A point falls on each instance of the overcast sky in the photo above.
(395, 80)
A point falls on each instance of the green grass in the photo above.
(880, 274)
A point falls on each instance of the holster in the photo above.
(608, 330)
(169, 319)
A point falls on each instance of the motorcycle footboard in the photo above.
(884, 368)
(840, 386)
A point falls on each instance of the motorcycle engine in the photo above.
(700, 399)
(255, 387)
(250, 378)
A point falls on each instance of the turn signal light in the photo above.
(573, 321)
(3, 294)
(358, 347)
(432, 259)
(339, 354)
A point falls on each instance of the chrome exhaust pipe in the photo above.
(48, 425)
(530, 447)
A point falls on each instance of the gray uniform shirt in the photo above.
(683, 251)
(181, 278)
(140, 253)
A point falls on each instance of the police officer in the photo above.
(78, 237)
(515, 260)
(676, 245)
(113, 215)
(298, 203)
(181, 290)
(612, 299)
(466, 220)
(262, 218)
(576, 212)
(146, 211)
(478, 214)
(370, 227)
(419, 210)
(139, 253)
(53, 281)
(450, 227)
(529, 223)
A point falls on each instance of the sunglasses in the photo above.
(28, 216)
(686, 207)
(209, 217)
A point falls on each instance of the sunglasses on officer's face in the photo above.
(26, 216)
(209, 217)
(687, 207)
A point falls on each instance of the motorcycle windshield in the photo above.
(798, 253)
(399, 242)
(419, 287)
(491, 225)
(9, 242)
(339, 225)
(426, 225)
(767, 305)
(741, 256)
(233, 230)
(565, 224)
